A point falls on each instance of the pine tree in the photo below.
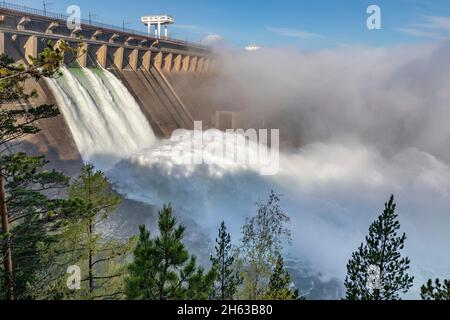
(382, 251)
(162, 267)
(100, 256)
(436, 291)
(17, 122)
(280, 284)
(228, 277)
(35, 220)
(262, 242)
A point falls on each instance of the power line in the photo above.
(124, 24)
(45, 4)
(92, 16)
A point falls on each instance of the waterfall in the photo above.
(105, 119)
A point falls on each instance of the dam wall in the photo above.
(164, 75)
(195, 91)
(158, 100)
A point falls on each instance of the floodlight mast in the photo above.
(158, 21)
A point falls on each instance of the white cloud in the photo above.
(212, 39)
(431, 27)
(438, 23)
(421, 33)
(292, 33)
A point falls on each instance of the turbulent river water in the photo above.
(332, 191)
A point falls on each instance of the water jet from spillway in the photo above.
(106, 121)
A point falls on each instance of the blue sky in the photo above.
(309, 24)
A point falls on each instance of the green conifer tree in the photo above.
(162, 267)
(228, 277)
(382, 253)
(15, 124)
(280, 284)
(436, 291)
(101, 257)
(35, 221)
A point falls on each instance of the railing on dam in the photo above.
(58, 16)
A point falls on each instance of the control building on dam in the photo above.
(165, 75)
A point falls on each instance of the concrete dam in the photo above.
(128, 88)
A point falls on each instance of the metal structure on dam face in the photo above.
(25, 31)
